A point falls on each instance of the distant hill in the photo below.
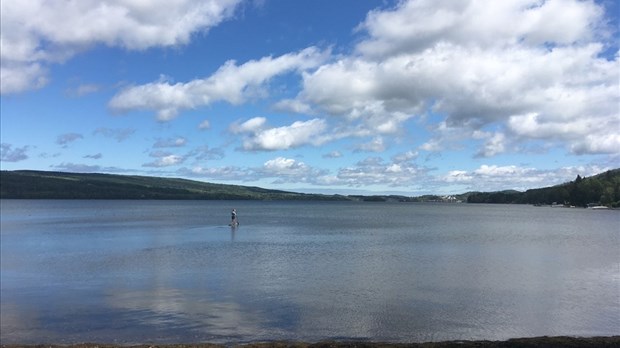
(601, 189)
(59, 185)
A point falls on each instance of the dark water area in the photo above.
(173, 271)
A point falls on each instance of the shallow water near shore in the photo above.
(173, 271)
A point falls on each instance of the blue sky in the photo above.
(409, 97)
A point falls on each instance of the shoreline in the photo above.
(543, 341)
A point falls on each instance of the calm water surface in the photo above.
(173, 271)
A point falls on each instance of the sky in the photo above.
(349, 96)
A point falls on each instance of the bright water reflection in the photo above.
(134, 271)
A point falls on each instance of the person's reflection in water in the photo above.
(233, 230)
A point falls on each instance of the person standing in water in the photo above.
(233, 217)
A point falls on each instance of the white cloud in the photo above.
(37, 33)
(165, 160)
(375, 145)
(496, 144)
(198, 155)
(281, 138)
(252, 125)
(170, 142)
(362, 91)
(293, 105)
(591, 134)
(284, 166)
(280, 169)
(481, 65)
(493, 170)
(599, 144)
(373, 171)
(16, 77)
(204, 125)
(458, 176)
(376, 171)
(449, 137)
(405, 157)
(417, 25)
(288, 170)
(231, 83)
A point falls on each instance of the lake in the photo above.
(174, 271)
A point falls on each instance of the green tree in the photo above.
(607, 198)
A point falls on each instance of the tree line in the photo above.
(601, 189)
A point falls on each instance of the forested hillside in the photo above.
(58, 185)
(603, 189)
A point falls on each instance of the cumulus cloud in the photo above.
(480, 65)
(164, 159)
(494, 145)
(511, 70)
(377, 97)
(416, 25)
(252, 125)
(38, 33)
(260, 137)
(596, 134)
(281, 166)
(231, 83)
(17, 77)
(598, 144)
(10, 154)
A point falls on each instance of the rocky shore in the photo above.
(533, 342)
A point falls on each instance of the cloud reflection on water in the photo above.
(187, 310)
